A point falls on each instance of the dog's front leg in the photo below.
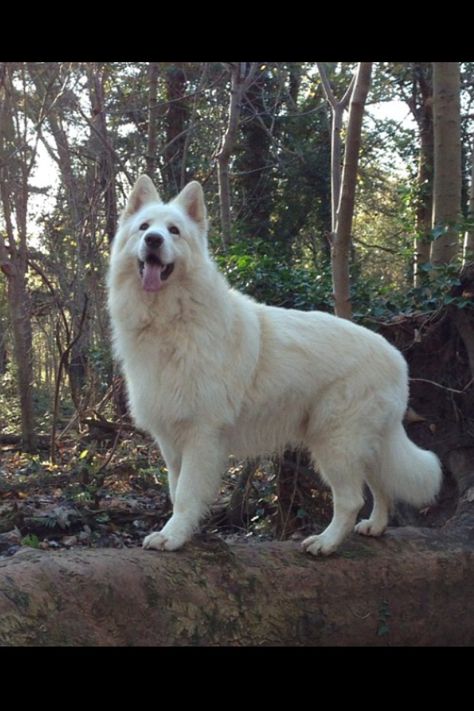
(202, 463)
(172, 458)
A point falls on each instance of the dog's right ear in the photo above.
(143, 191)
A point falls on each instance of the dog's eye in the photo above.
(144, 226)
(173, 229)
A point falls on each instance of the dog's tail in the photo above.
(409, 473)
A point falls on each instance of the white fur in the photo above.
(210, 373)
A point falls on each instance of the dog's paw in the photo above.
(160, 542)
(319, 545)
(366, 527)
(170, 538)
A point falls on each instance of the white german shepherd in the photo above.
(210, 373)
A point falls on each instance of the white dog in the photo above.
(210, 373)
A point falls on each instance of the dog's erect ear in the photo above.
(143, 191)
(191, 199)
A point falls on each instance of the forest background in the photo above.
(258, 136)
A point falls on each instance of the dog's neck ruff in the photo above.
(184, 295)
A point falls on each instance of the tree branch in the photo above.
(62, 362)
(443, 387)
(345, 210)
(328, 93)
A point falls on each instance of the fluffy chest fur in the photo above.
(189, 354)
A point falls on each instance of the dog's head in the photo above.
(162, 240)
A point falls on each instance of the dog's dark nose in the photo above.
(154, 240)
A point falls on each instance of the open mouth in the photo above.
(153, 272)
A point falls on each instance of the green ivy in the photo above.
(270, 279)
(30, 540)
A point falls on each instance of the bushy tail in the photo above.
(409, 473)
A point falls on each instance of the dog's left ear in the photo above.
(191, 199)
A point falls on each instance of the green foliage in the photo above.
(303, 285)
(30, 540)
(281, 170)
(154, 475)
(9, 408)
(373, 301)
(272, 280)
(100, 360)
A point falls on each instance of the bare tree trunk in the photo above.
(425, 205)
(341, 239)
(447, 161)
(13, 262)
(258, 131)
(19, 306)
(77, 366)
(21, 310)
(240, 81)
(415, 84)
(468, 249)
(3, 350)
(153, 69)
(204, 68)
(337, 111)
(424, 117)
(99, 144)
(177, 123)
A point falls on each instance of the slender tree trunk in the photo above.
(341, 240)
(416, 87)
(99, 144)
(240, 81)
(259, 128)
(204, 68)
(19, 305)
(177, 122)
(3, 351)
(447, 161)
(153, 71)
(337, 116)
(19, 308)
(424, 208)
(295, 73)
(77, 367)
(337, 112)
(468, 250)
(13, 262)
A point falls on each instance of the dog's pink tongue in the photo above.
(151, 279)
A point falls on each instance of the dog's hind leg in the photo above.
(203, 461)
(376, 524)
(345, 473)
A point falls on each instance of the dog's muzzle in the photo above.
(153, 271)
